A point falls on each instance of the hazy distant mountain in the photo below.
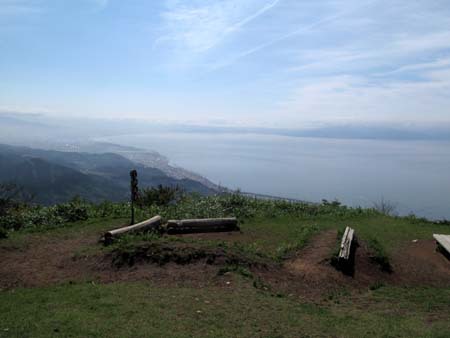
(55, 176)
(18, 127)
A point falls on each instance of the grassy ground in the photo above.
(142, 309)
(277, 235)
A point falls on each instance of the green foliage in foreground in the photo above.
(188, 206)
(142, 310)
(274, 229)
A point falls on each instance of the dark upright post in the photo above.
(134, 192)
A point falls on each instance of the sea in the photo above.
(414, 176)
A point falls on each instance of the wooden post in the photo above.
(134, 192)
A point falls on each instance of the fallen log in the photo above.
(202, 225)
(443, 242)
(346, 244)
(151, 224)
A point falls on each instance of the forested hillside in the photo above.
(55, 176)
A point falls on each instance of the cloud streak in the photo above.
(302, 30)
(200, 28)
(273, 61)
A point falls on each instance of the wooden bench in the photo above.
(346, 244)
(443, 242)
(151, 224)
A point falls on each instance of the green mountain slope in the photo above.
(54, 176)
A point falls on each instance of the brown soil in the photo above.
(231, 236)
(47, 261)
(310, 273)
(420, 264)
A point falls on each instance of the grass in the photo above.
(270, 231)
(143, 310)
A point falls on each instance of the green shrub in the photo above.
(3, 233)
(160, 195)
(75, 210)
(11, 221)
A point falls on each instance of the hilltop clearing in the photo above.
(277, 270)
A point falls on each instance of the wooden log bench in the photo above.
(153, 223)
(346, 244)
(443, 244)
(345, 261)
(202, 225)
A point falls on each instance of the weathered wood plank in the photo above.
(151, 223)
(443, 241)
(346, 243)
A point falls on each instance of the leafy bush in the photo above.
(160, 195)
(3, 233)
(170, 203)
(11, 221)
(75, 210)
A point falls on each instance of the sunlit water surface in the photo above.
(415, 175)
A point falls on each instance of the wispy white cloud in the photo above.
(320, 60)
(101, 4)
(13, 8)
(201, 27)
(357, 98)
(299, 31)
(252, 17)
(423, 42)
(436, 64)
(398, 49)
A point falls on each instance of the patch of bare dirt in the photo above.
(243, 237)
(418, 263)
(47, 261)
(309, 274)
(43, 261)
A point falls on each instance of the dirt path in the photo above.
(309, 274)
(414, 263)
(312, 260)
(44, 261)
(47, 260)
(418, 263)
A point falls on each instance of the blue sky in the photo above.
(277, 63)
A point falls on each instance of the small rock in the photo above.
(414, 240)
(228, 283)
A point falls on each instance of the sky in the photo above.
(271, 63)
